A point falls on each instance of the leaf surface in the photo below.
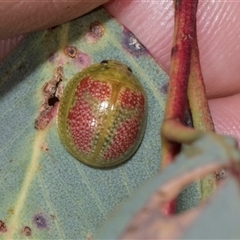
(45, 192)
(141, 214)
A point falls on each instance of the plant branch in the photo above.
(198, 103)
(199, 108)
(184, 32)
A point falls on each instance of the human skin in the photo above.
(152, 22)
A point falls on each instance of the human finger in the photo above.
(19, 17)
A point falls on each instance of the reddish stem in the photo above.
(198, 103)
(184, 32)
(201, 116)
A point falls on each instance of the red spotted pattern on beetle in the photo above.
(82, 118)
(131, 107)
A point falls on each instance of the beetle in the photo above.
(102, 114)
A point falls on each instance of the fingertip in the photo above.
(19, 17)
(226, 115)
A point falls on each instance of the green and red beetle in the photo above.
(102, 114)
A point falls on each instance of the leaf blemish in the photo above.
(44, 147)
(3, 227)
(79, 58)
(83, 60)
(40, 221)
(70, 51)
(27, 231)
(164, 88)
(132, 44)
(52, 92)
(221, 174)
(10, 211)
(96, 31)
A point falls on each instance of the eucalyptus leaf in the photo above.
(45, 192)
(140, 216)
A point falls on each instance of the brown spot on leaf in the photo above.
(96, 31)
(44, 147)
(221, 174)
(52, 91)
(3, 227)
(27, 231)
(70, 51)
(11, 211)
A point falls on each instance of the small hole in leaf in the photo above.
(51, 93)
(52, 101)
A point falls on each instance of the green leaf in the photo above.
(140, 216)
(42, 186)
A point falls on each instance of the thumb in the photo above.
(18, 17)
